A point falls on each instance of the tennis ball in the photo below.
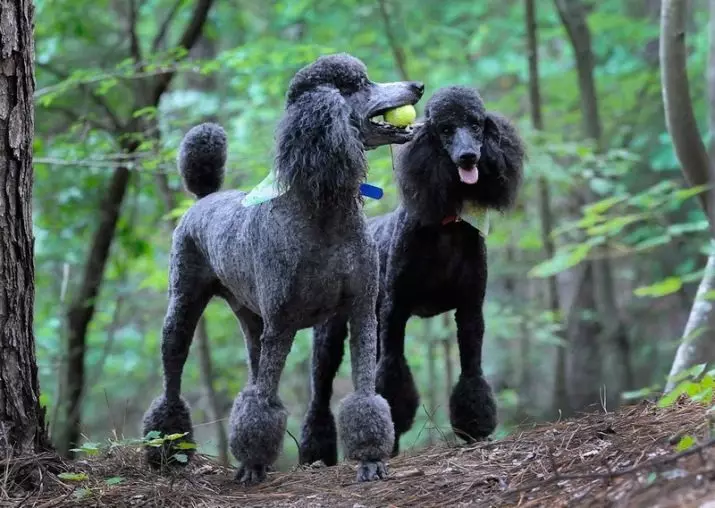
(402, 116)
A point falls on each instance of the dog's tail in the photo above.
(202, 158)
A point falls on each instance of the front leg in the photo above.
(472, 409)
(394, 379)
(364, 418)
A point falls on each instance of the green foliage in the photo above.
(640, 212)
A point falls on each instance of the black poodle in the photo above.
(286, 264)
(431, 261)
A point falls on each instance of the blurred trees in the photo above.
(598, 266)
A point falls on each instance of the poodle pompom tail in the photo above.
(202, 158)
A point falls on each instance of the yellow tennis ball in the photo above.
(402, 116)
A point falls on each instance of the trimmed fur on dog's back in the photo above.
(285, 264)
(430, 263)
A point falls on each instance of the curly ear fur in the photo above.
(428, 179)
(320, 154)
(424, 176)
(501, 163)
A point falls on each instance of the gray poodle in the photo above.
(432, 260)
(286, 264)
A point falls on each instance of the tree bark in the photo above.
(22, 421)
(81, 310)
(698, 343)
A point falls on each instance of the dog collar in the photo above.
(268, 189)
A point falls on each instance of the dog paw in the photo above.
(251, 475)
(167, 417)
(366, 427)
(472, 409)
(257, 426)
(371, 470)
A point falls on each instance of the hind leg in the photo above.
(394, 379)
(258, 418)
(189, 293)
(319, 439)
(472, 409)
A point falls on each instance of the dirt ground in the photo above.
(625, 458)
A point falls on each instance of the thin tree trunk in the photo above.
(398, 52)
(22, 420)
(560, 399)
(431, 381)
(598, 277)
(698, 343)
(81, 310)
(207, 377)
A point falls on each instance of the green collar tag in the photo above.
(477, 217)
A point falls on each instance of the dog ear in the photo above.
(502, 157)
(319, 153)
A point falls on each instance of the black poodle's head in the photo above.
(456, 116)
(365, 99)
(461, 152)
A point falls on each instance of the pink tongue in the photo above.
(469, 175)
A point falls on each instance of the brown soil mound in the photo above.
(625, 458)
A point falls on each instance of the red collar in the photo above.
(451, 218)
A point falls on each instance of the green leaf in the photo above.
(664, 287)
(181, 457)
(153, 434)
(562, 260)
(82, 493)
(174, 437)
(692, 372)
(185, 445)
(114, 480)
(73, 477)
(684, 194)
(686, 442)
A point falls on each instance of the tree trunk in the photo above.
(583, 364)
(698, 343)
(448, 368)
(431, 383)
(560, 399)
(207, 376)
(598, 274)
(81, 311)
(22, 422)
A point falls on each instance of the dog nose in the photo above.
(468, 159)
(418, 86)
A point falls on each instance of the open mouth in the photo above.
(469, 175)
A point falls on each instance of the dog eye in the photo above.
(447, 130)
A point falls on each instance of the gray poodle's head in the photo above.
(366, 99)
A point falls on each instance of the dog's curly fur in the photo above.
(427, 267)
(288, 263)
